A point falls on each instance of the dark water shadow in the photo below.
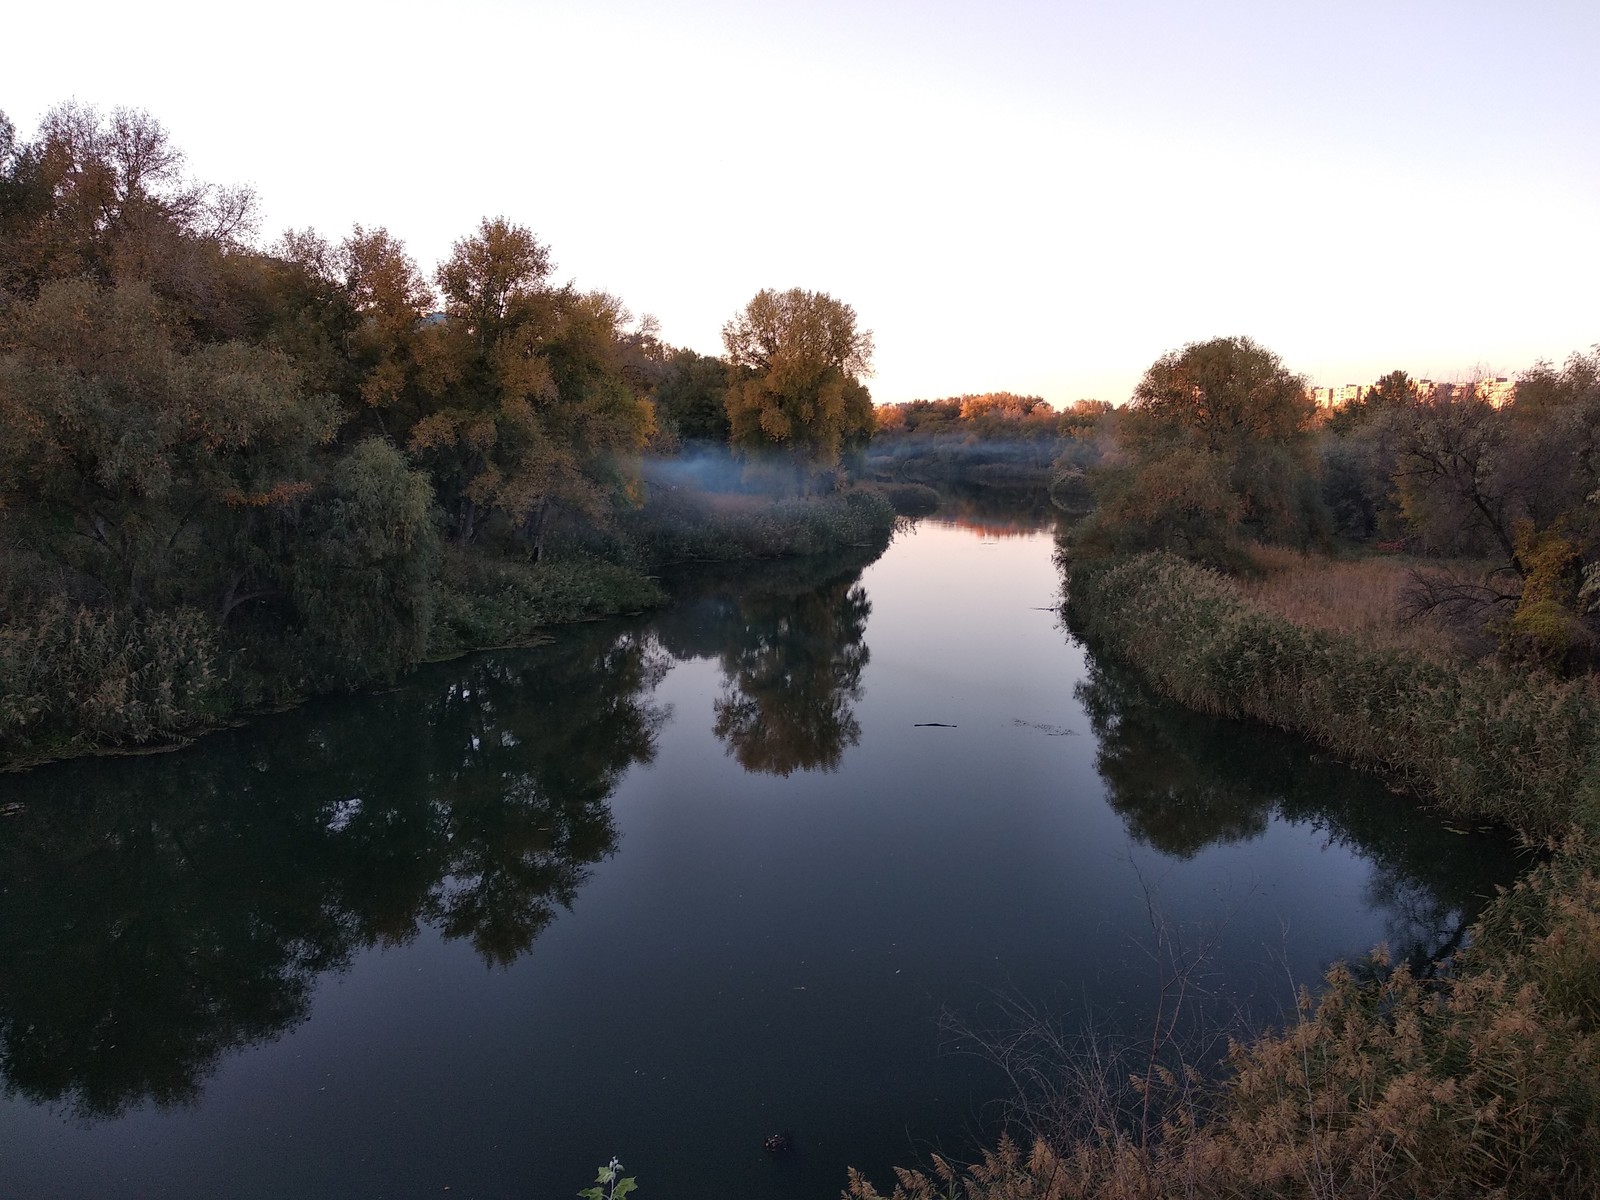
(1183, 782)
(156, 914)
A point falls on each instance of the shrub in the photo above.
(690, 526)
(911, 499)
(486, 603)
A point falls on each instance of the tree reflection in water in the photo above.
(790, 641)
(156, 914)
(793, 667)
(1182, 781)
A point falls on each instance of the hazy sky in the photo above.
(1024, 196)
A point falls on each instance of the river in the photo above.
(662, 888)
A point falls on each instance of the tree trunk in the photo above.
(536, 525)
(468, 518)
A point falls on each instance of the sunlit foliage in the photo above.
(796, 360)
(1215, 446)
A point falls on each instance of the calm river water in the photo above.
(658, 890)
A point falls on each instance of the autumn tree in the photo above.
(389, 296)
(106, 198)
(1217, 440)
(524, 405)
(796, 361)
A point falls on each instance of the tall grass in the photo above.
(1478, 1083)
(1363, 598)
(1521, 748)
(73, 678)
(686, 525)
(486, 603)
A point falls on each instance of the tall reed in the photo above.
(1479, 1082)
(1514, 746)
(1364, 597)
(73, 678)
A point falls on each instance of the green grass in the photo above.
(486, 603)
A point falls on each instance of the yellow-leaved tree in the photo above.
(796, 359)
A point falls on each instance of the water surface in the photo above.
(660, 889)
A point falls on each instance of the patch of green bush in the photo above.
(911, 499)
(1510, 745)
(485, 603)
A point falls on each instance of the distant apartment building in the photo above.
(1335, 397)
(1497, 391)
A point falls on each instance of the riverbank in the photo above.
(1477, 1083)
(76, 680)
(1476, 1080)
(1482, 742)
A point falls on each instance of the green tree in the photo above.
(142, 466)
(1216, 441)
(362, 574)
(796, 359)
(1360, 454)
(524, 404)
(691, 398)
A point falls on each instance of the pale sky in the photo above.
(1031, 197)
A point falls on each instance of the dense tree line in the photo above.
(1511, 488)
(995, 438)
(233, 473)
(1221, 447)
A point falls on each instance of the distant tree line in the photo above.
(995, 438)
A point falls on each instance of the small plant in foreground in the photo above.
(609, 1184)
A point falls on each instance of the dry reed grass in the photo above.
(1484, 741)
(1358, 597)
(1386, 1086)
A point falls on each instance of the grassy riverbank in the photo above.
(1481, 741)
(77, 680)
(1477, 1081)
